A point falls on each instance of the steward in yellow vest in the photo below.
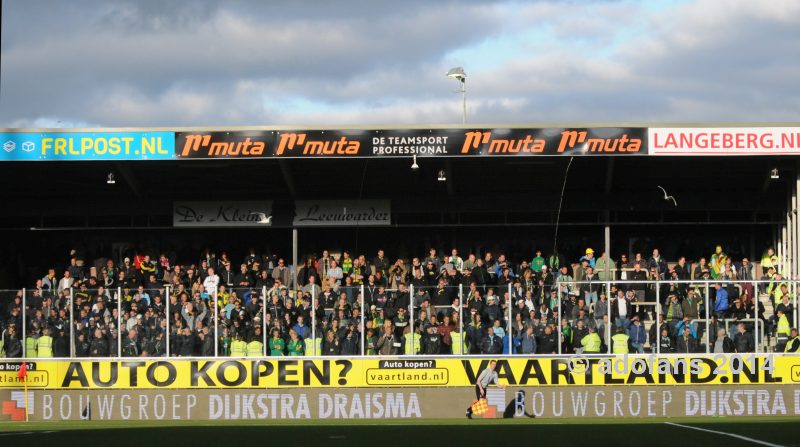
(45, 345)
(591, 342)
(794, 342)
(412, 342)
(311, 345)
(31, 346)
(238, 347)
(256, 347)
(459, 342)
(620, 342)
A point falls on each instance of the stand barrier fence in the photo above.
(560, 317)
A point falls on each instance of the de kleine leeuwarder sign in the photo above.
(111, 144)
(308, 213)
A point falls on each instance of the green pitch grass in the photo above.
(516, 432)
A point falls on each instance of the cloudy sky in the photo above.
(196, 62)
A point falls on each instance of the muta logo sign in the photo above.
(321, 146)
(487, 143)
(571, 139)
(205, 144)
(478, 140)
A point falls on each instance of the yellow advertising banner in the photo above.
(350, 372)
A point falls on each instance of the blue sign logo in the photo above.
(87, 146)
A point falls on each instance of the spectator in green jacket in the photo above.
(537, 262)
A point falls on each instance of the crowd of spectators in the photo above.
(148, 306)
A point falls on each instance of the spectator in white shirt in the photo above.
(66, 282)
(335, 272)
(211, 282)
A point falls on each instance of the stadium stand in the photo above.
(335, 303)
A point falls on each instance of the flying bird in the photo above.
(667, 196)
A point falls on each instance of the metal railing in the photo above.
(168, 326)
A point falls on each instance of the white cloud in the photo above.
(148, 64)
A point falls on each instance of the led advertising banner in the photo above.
(402, 372)
(407, 403)
(407, 142)
(724, 141)
(87, 146)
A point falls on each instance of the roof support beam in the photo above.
(287, 176)
(130, 178)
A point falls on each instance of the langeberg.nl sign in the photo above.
(326, 213)
(222, 214)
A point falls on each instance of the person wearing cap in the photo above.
(619, 342)
(432, 341)
(492, 311)
(638, 335)
(589, 257)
